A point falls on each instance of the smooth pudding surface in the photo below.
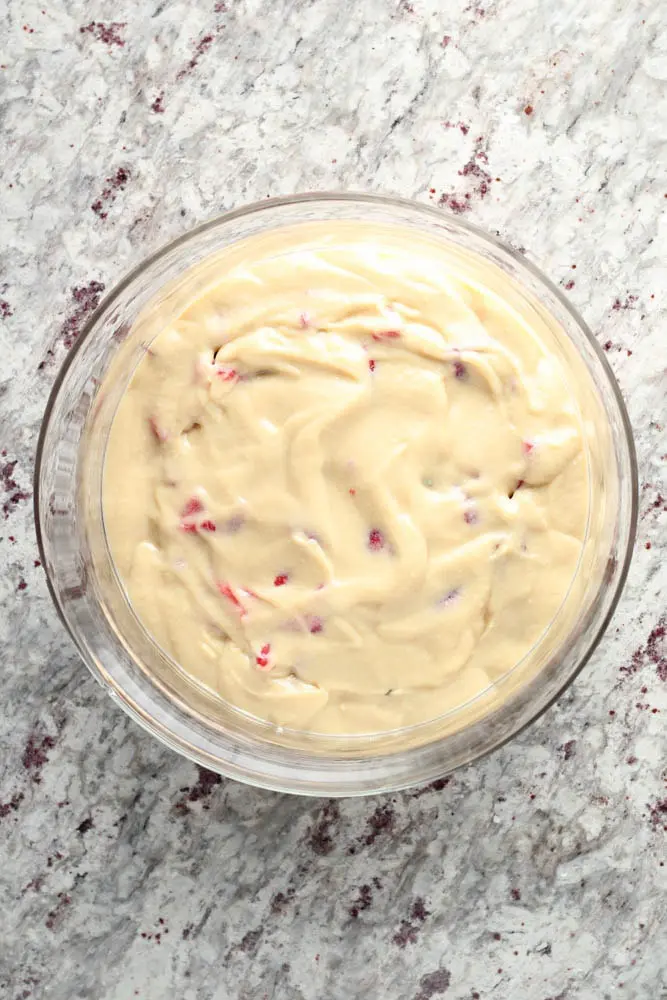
(347, 488)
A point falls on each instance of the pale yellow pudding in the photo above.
(346, 489)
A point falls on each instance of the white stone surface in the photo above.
(535, 874)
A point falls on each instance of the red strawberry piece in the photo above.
(352, 492)
(192, 506)
(227, 592)
(375, 540)
(158, 432)
(315, 624)
(371, 364)
(386, 335)
(226, 373)
(280, 580)
(207, 526)
(262, 658)
(470, 516)
(526, 447)
(459, 369)
(189, 527)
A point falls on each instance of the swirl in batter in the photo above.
(346, 489)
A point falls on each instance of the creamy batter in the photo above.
(346, 489)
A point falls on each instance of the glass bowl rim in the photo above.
(140, 715)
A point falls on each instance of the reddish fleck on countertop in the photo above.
(110, 34)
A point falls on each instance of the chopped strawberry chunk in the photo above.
(227, 592)
(371, 364)
(470, 516)
(386, 335)
(189, 527)
(192, 506)
(226, 373)
(315, 624)
(159, 433)
(459, 369)
(527, 447)
(352, 492)
(280, 580)
(207, 526)
(375, 540)
(262, 658)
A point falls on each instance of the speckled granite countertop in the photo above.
(125, 872)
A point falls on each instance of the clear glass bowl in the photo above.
(149, 686)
